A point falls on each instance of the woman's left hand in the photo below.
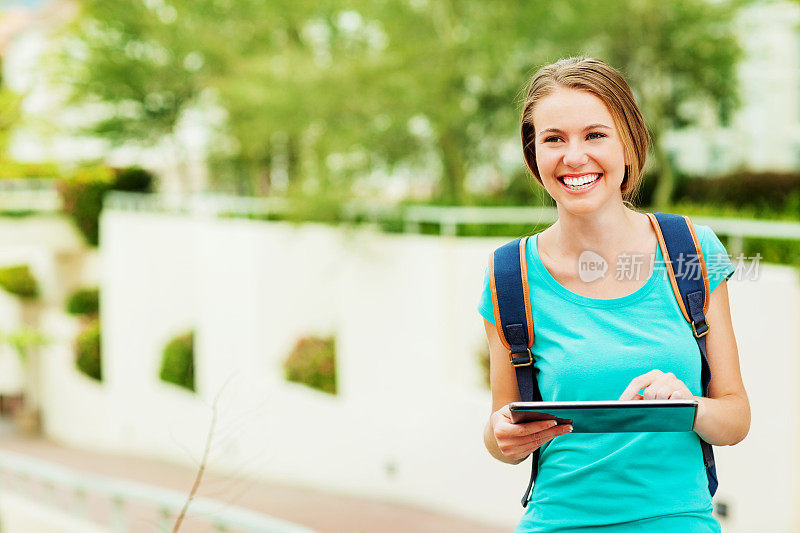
(657, 385)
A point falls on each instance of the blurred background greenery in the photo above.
(390, 101)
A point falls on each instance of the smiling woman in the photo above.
(608, 337)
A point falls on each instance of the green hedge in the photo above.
(177, 362)
(84, 301)
(15, 169)
(312, 362)
(18, 280)
(82, 194)
(762, 192)
(87, 349)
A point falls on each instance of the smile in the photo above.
(580, 184)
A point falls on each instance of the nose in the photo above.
(575, 155)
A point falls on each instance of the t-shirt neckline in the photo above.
(538, 266)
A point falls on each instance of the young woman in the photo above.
(621, 336)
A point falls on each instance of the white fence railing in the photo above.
(41, 196)
(29, 195)
(413, 216)
(222, 516)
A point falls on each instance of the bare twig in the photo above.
(203, 462)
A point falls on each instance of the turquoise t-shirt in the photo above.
(590, 349)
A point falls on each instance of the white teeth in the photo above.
(582, 180)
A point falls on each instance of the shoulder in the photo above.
(708, 240)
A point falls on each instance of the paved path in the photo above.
(323, 512)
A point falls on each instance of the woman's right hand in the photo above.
(517, 441)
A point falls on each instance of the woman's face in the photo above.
(579, 154)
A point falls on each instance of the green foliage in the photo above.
(730, 211)
(84, 301)
(133, 179)
(88, 358)
(83, 202)
(177, 362)
(781, 251)
(312, 362)
(18, 280)
(762, 192)
(15, 169)
(331, 90)
(82, 194)
(23, 340)
(10, 106)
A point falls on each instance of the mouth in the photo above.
(580, 184)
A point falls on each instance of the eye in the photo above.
(589, 136)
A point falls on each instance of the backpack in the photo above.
(514, 321)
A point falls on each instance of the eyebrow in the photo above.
(589, 127)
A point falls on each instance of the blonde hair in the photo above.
(605, 82)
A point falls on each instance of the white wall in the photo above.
(403, 309)
(22, 515)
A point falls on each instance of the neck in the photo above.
(605, 231)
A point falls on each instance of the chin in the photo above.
(584, 206)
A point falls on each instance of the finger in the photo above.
(638, 383)
(529, 428)
(525, 446)
(679, 395)
(657, 391)
(664, 393)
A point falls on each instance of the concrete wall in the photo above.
(403, 310)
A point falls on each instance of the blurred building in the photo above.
(765, 132)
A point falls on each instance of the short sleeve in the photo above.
(485, 306)
(718, 262)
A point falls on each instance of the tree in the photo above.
(333, 89)
(676, 52)
(9, 113)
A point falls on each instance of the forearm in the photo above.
(723, 421)
(491, 444)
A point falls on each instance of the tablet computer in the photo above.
(611, 416)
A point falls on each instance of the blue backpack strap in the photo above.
(514, 322)
(680, 245)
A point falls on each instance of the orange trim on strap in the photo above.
(668, 263)
(496, 308)
(703, 268)
(523, 263)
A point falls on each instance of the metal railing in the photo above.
(120, 493)
(413, 216)
(38, 195)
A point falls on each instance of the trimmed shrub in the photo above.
(133, 179)
(82, 194)
(177, 362)
(312, 362)
(84, 301)
(87, 350)
(18, 280)
(765, 191)
(83, 201)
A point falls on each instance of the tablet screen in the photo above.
(611, 416)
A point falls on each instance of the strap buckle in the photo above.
(702, 333)
(523, 359)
